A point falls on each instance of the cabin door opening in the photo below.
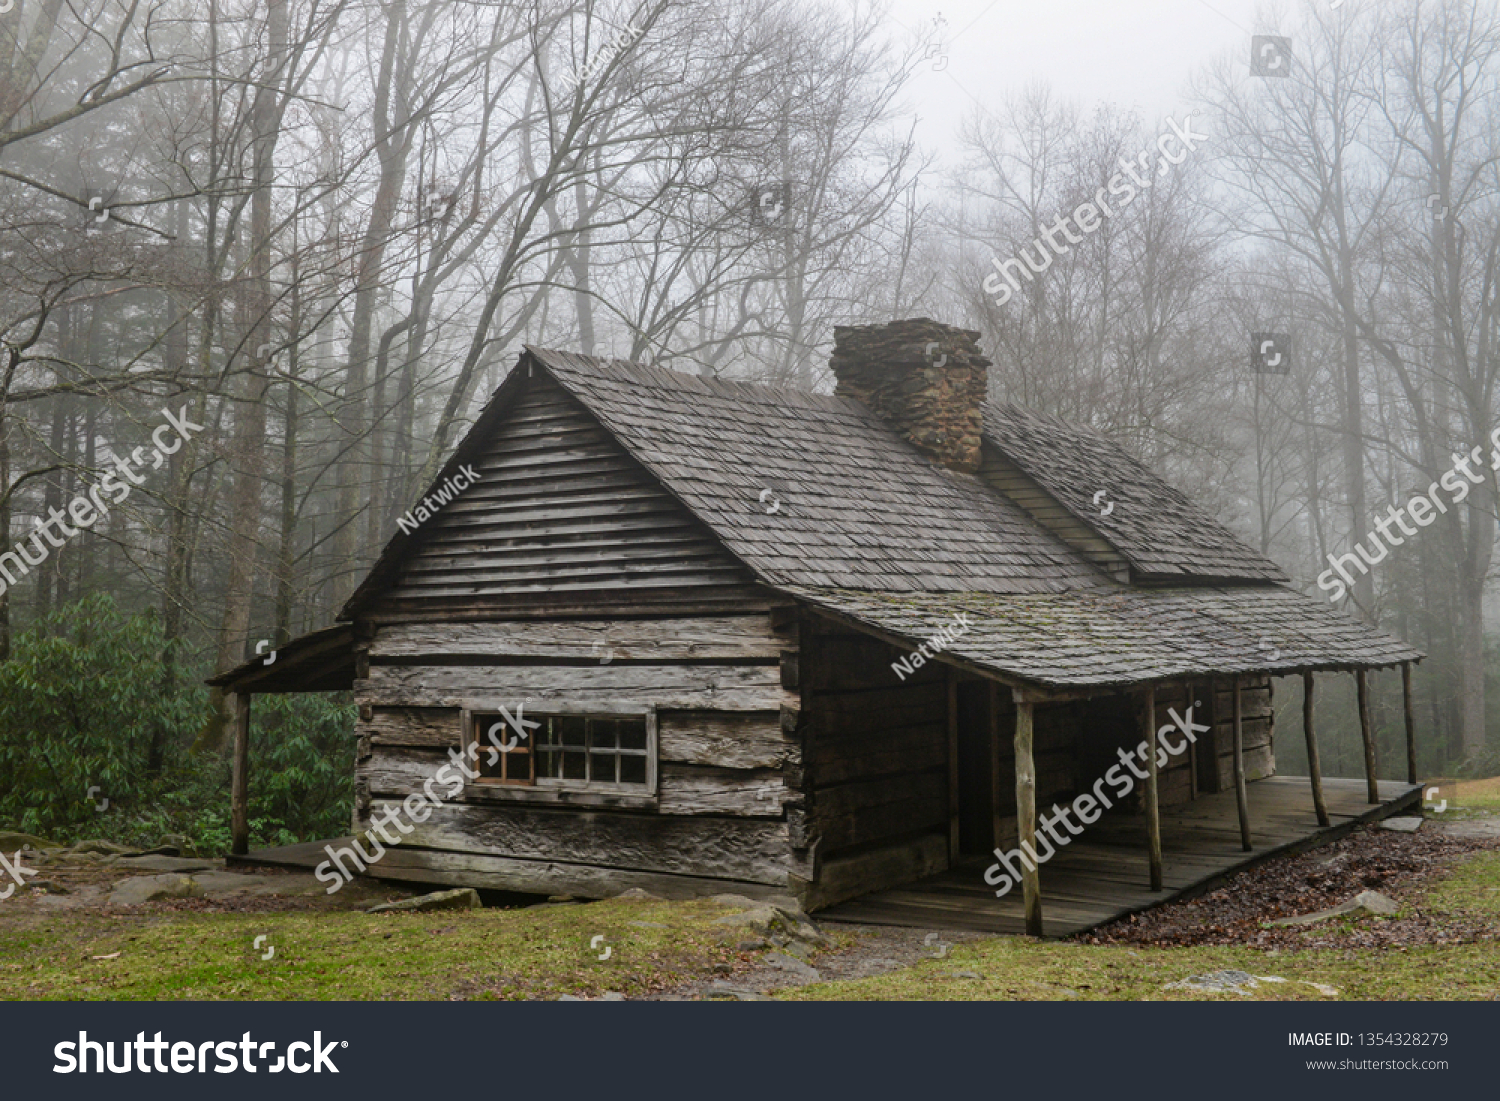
(976, 807)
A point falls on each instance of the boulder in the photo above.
(154, 863)
(101, 847)
(153, 888)
(1402, 825)
(793, 966)
(12, 842)
(640, 893)
(460, 898)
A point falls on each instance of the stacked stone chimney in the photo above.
(925, 379)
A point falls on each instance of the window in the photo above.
(565, 753)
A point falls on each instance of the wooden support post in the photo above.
(239, 790)
(1367, 735)
(1411, 724)
(1314, 769)
(1153, 808)
(952, 767)
(997, 783)
(1241, 798)
(1031, 884)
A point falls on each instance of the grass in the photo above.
(478, 954)
(544, 952)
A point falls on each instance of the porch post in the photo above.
(1241, 799)
(1031, 886)
(239, 791)
(1314, 769)
(1411, 725)
(1153, 809)
(953, 796)
(1367, 735)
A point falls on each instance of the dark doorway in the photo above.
(976, 807)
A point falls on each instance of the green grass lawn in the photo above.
(478, 954)
(544, 952)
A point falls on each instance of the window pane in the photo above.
(633, 770)
(602, 733)
(632, 735)
(575, 764)
(572, 730)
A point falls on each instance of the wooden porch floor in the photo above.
(1103, 874)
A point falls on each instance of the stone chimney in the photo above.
(926, 380)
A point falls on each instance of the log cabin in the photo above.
(820, 645)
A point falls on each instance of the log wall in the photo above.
(717, 821)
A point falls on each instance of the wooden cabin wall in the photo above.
(723, 753)
(1257, 722)
(875, 763)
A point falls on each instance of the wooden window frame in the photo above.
(555, 790)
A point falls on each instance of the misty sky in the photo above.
(1137, 54)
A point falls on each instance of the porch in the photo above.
(1104, 874)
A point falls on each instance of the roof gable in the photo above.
(1161, 533)
(560, 513)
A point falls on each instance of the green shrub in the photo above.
(86, 703)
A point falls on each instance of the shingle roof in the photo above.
(858, 507)
(1127, 636)
(825, 502)
(1158, 530)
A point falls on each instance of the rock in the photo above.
(793, 966)
(611, 996)
(153, 888)
(460, 898)
(11, 842)
(639, 892)
(1366, 902)
(175, 841)
(1235, 982)
(568, 998)
(101, 847)
(1402, 825)
(48, 886)
(154, 863)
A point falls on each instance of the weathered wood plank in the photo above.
(754, 850)
(673, 639)
(551, 877)
(732, 740)
(705, 687)
(851, 876)
(413, 726)
(698, 789)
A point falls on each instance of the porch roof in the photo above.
(1093, 639)
(322, 661)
